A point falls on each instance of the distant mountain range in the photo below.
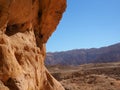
(85, 56)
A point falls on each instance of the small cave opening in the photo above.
(11, 84)
(11, 30)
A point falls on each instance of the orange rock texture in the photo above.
(25, 27)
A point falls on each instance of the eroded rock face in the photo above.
(25, 26)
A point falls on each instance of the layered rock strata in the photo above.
(25, 27)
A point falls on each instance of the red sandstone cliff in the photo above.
(25, 26)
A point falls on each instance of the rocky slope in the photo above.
(102, 76)
(25, 26)
(82, 56)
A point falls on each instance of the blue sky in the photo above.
(87, 24)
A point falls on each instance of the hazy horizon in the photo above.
(87, 24)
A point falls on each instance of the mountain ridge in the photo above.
(82, 56)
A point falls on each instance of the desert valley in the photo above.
(87, 69)
(102, 76)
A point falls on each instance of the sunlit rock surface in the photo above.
(25, 27)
